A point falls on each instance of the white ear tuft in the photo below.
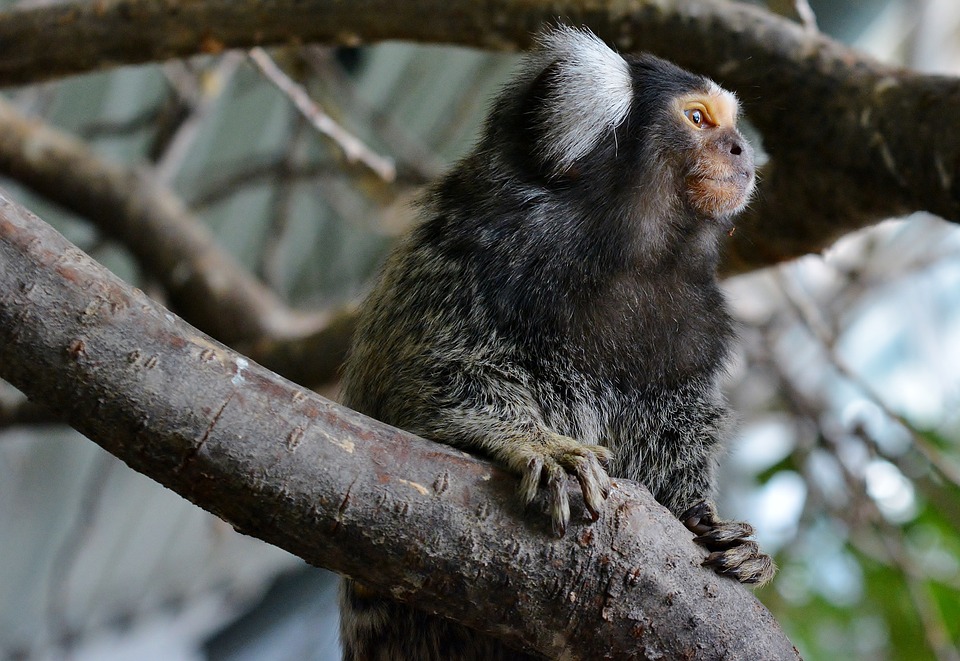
(590, 96)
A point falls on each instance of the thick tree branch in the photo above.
(852, 141)
(431, 524)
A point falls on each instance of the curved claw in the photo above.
(594, 483)
(745, 563)
(530, 481)
(732, 554)
(548, 467)
(559, 503)
(700, 518)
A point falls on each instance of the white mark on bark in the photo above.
(238, 378)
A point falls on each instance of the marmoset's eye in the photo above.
(698, 117)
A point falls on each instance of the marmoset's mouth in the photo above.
(720, 197)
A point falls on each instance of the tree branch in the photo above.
(426, 522)
(204, 283)
(354, 150)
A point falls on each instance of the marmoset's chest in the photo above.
(642, 333)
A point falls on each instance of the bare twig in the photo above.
(935, 630)
(58, 586)
(208, 87)
(809, 408)
(864, 516)
(353, 148)
(271, 256)
(416, 160)
(806, 14)
(891, 552)
(203, 281)
(255, 170)
(127, 126)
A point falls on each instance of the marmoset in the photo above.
(557, 309)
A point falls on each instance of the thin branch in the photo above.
(864, 515)
(204, 282)
(809, 407)
(416, 160)
(894, 555)
(68, 551)
(172, 154)
(271, 258)
(935, 631)
(256, 170)
(354, 150)
(425, 522)
(143, 119)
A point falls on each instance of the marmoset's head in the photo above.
(635, 131)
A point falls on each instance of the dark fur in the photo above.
(534, 306)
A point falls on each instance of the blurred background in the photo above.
(847, 382)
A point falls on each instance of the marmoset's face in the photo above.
(719, 170)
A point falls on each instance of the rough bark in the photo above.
(431, 524)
